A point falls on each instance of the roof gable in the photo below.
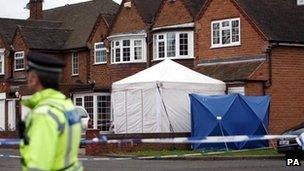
(194, 6)
(277, 20)
(127, 19)
(167, 15)
(81, 18)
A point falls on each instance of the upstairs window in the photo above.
(225, 33)
(128, 51)
(19, 61)
(173, 45)
(1, 62)
(75, 63)
(100, 53)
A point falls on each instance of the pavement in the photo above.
(9, 161)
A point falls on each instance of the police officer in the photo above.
(51, 131)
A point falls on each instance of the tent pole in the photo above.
(126, 110)
(142, 111)
(170, 125)
(220, 123)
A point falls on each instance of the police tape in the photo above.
(181, 140)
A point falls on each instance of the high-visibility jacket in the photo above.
(52, 133)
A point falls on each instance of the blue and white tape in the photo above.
(183, 140)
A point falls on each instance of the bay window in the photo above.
(225, 33)
(128, 50)
(173, 45)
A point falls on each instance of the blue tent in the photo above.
(229, 115)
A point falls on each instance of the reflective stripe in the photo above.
(56, 119)
(69, 146)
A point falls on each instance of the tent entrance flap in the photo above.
(229, 115)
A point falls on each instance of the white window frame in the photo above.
(2, 61)
(95, 105)
(75, 66)
(238, 43)
(177, 45)
(15, 59)
(132, 50)
(97, 50)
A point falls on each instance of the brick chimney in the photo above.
(35, 7)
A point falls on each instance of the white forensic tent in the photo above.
(156, 100)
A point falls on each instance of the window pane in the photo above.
(88, 105)
(138, 49)
(235, 31)
(99, 46)
(117, 54)
(183, 44)
(171, 45)
(226, 36)
(78, 102)
(216, 33)
(126, 54)
(126, 50)
(225, 24)
(75, 65)
(161, 49)
(104, 112)
(126, 43)
(19, 61)
(101, 56)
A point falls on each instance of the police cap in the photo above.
(45, 62)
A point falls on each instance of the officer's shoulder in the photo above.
(41, 109)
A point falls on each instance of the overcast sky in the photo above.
(15, 8)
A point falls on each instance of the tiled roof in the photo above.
(8, 26)
(81, 18)
(280, 20)
(147, 8)
(45, 38)
(231, 69)
(195, 6)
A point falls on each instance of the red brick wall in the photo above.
(128, 19)
(251, 42)
(67, 77)
(186, 62)
(261, 73)
(100, 73)
(287, 107)
(168, 14)
(121, 71)
(20, 45)
(101, 149)
(254, 89)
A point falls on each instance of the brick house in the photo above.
(257, 48)
(118, 49)
(173, 32)
(63, 32)
(251, 45)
